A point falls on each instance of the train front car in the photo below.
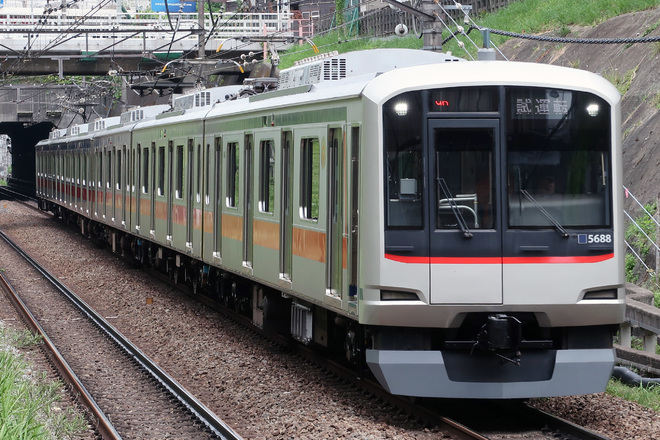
(496, 268)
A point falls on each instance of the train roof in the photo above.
(496, 73)
(377, 74)
(332, 77)
(334, 67)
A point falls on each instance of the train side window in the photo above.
(133, 162)
(145, 170)
(198, 170)
(84, 168)
(99, 169)
(266, 176)
(232, 174)
(118, 170)
(310, 181)
(108, 169)
(161, 170)
(207, 170)
(179, 172)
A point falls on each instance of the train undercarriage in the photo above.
(266, 307)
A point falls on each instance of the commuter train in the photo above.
(454, 225)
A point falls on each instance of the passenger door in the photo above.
(334, 235)
(248, 214)
(465, 233)
(286, 206)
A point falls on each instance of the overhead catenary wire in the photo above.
(468, 18)
(460, 32)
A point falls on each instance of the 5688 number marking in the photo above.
(594, 238)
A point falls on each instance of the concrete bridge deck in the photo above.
(82, 43)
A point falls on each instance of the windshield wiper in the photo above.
(454, 207)
(547, 215)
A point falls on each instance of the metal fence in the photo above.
(380, 22)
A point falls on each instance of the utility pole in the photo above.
(201, 40)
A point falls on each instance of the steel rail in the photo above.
(201, 412)
(454, 428)
(101, 421)
(564, 425)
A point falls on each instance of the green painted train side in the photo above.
(166, 182)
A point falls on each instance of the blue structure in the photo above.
(172, 5)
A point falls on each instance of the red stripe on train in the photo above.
(499, 260)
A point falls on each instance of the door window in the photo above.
(465, 178)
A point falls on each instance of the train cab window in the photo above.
(310, 181)
(232, 174)
(266, 176)
(404, 162)
(178, 193)
(558, 160)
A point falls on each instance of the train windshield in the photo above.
(557, 161)
(541, 154)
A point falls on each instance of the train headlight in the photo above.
(593, 109)
(401, 108)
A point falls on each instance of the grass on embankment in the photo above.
(28, 400)
(645, 396)
(524, 16)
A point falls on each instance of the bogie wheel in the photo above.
(197, 281)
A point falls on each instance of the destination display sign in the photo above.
(548, 104)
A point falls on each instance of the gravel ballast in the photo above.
(256, 387)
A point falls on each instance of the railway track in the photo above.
(460, 419)
(504, 422)
(12, 194)
(127, 394)
(507, 419)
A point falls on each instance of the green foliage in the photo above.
(638, 241)
(340, 5)
(20, 339)
(656, 101)
(528, 16)
(631, 264)
(335, 41)
(214, 7)
(537, 16)
(621, 81)
(20, 402)
(27, 402)
(645, 396)
(563, 31)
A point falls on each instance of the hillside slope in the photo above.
(637, 65)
